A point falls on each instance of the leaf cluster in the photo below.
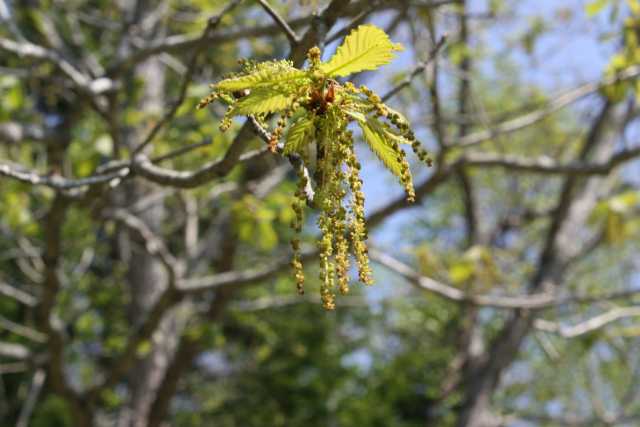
(315, 112)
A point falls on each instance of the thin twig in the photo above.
(212, 24)
(17, 294)
(180, 151)
(86, 84)
(152, 243)
(588, 326)
(418, 69)
(530, 302)
(293, 38)
(557, 102)
(32, 398)
(21, 330)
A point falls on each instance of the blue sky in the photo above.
(570, 52)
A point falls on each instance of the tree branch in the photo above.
(14, 133)
(26, 49)
(293, 38)
(14, 351)
(588, 326)
(32, 398)
(212, 24)
(557, 102)
(18, 295)
(152, 243)
(547, 165)
(529, 301)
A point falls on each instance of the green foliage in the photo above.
(53, 412)
(316, 109)
(594, 7)
(365, 49)
(629, 56)
(377, 138)
(262, 101)
(299, 133)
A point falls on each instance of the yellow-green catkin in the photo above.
(298, 207)
(358, 232)
(342, 252)
(405, 176)
(207, 100)
(329, 106)
(327, 275)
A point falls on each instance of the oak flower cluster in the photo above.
(314, 114)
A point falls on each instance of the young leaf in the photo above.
(594, 7)
(263, 78)
(376, 137)
(299, 134)
(356, 115)
(392, 135)
(365, 48)
(262, 101)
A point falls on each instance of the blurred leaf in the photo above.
(595, 6)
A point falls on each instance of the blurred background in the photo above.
(144, 255)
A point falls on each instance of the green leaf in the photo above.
(260, 79)
(262, 101)
(388, 133)
(365, 48)
(300, 133)
(615, 228)
(378, 141)
(356, 115)
(461, 271)
(595, 7)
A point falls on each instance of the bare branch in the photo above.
(26, 49)
(547, 165)
(14, 133)
(279, 301)
(152, 243)
(180, 151)
(427, 187)
(14, 351)
(570, 420)
(183, 179)
(21, 330)
(419, 69)
(293, 38)
(56, 181)
(168, 299)
(236, 278)
(529, 301)
(212, 24)
(13, 368)
(30, 403)
(187, 42)
(588, 326)
(17, 294)
(557, 102)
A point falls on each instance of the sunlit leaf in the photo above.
(594, 7)
(263, 78)
(365, 48)
(300, 133)
(377, 140)
(262, 101)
